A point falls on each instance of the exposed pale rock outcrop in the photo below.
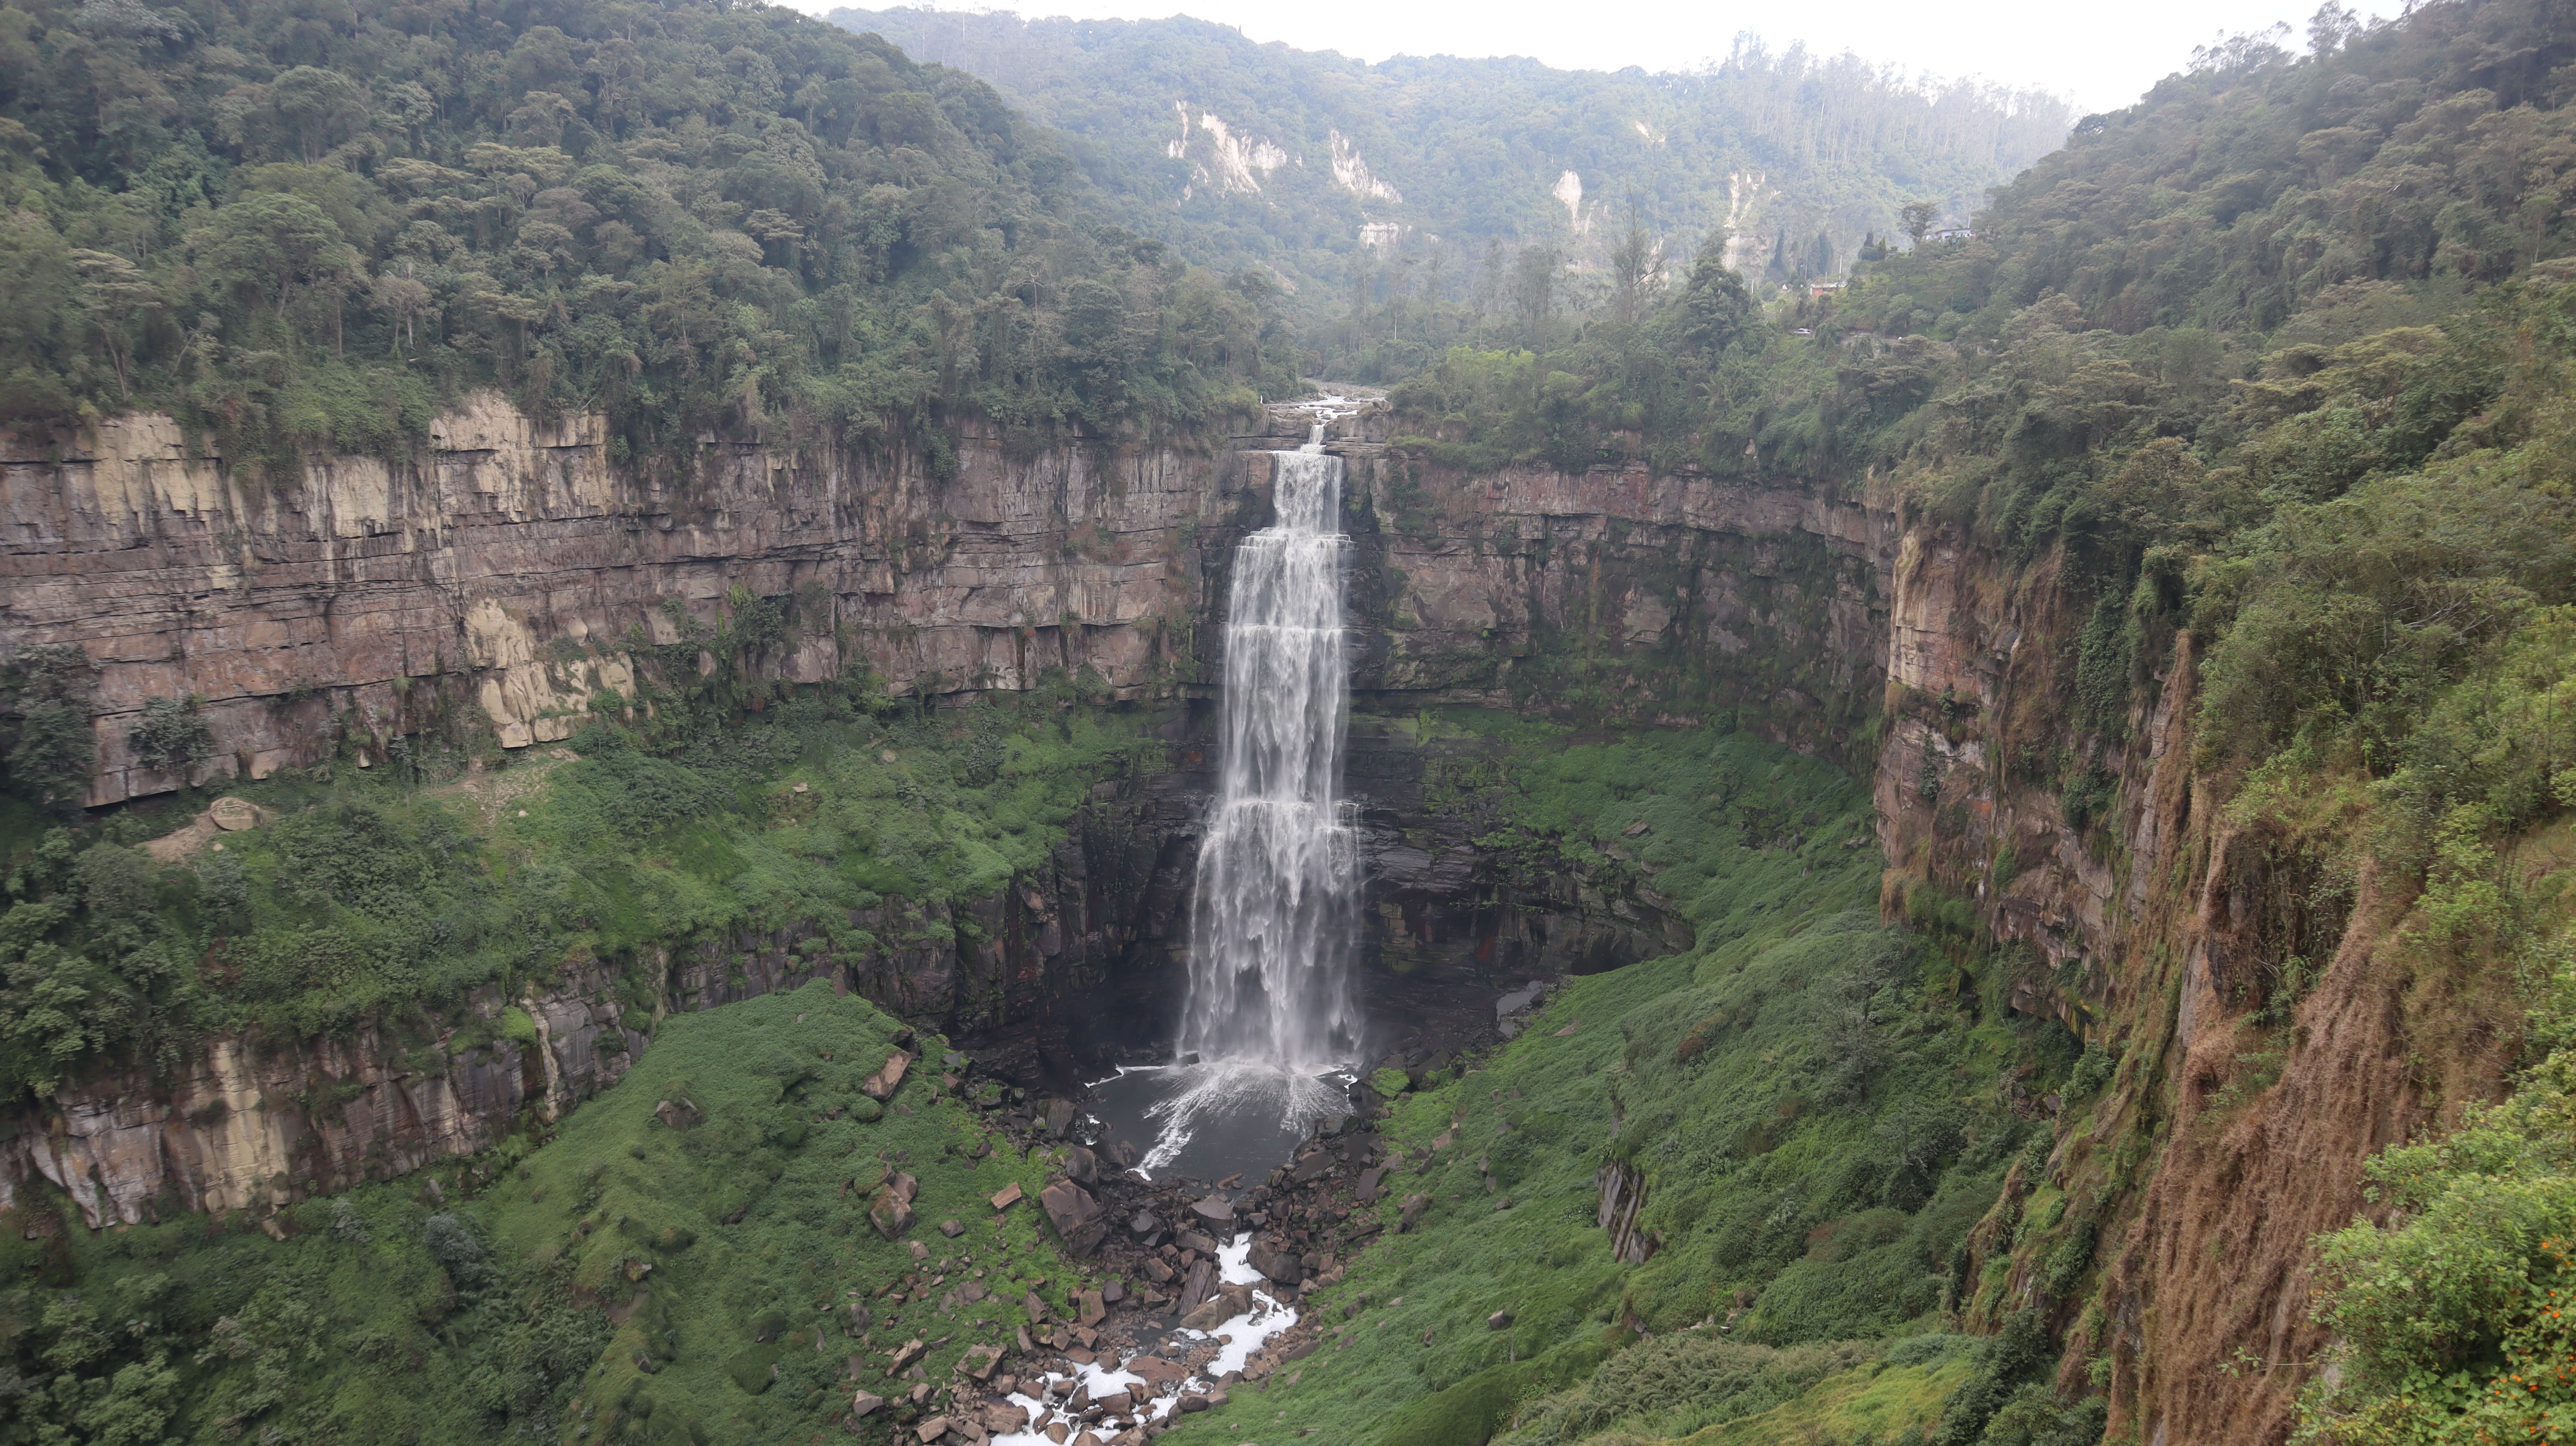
(505, 566)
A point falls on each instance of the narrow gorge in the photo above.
(710, 734)
(503, 593)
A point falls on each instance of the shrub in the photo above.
(170, 735)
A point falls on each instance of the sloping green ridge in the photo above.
(1811, 1098)
(729, 1251)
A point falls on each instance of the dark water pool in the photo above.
(1211, 1121)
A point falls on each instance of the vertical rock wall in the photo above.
(2147, 917)
(508, 567)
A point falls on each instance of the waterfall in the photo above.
(1271, 935)
(1270, 1013)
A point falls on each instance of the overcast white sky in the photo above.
(2100, 55)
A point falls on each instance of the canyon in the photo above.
(499, 585)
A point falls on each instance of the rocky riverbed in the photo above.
(1191, 1290)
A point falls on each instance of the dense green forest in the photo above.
(307, 225)
(2278, 357)
(1416, 200)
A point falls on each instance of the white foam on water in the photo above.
(1237, 1087)
(1240, 1338)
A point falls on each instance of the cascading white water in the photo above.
(1270, 936)
(1270, 1011)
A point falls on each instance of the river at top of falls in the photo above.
(1271, 1022)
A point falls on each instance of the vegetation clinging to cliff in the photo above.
(308, 228)
(478, 1309)
(391, 893)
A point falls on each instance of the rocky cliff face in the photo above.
(510, 567)
(509, 570)
(1652, 597)
(2225, 1142)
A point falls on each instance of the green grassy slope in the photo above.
(387, 896)
(1811, 1099)
(629, 1281)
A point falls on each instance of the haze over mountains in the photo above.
(1412, 173)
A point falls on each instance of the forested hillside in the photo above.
(2263, 382)
(306, 227)
(1406, 202)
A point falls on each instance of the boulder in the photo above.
(1068, 1204)
(951, 1229)
(1201, 1280)
(1059, 1117)
(1002, 1418)
(889, 1212)
(1007, 1196)
(863, 1404)
(1082, 1166)
(1280, 1265)
(1093, 1309)
(904, 1355)
(1215, 1210)
(1158, 1372)
(932, 1429)
(1414, 1208)
(1215, 1311)
(881, 1085)
(1499, 1320)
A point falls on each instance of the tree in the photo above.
(1636, 269)
(1715, 304)
(1917, 218)
(44, 720)
(264, 244)
(315, 110)
(170, 735)
(117, 290)
(1534, 285)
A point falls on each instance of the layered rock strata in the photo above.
(510, 567)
